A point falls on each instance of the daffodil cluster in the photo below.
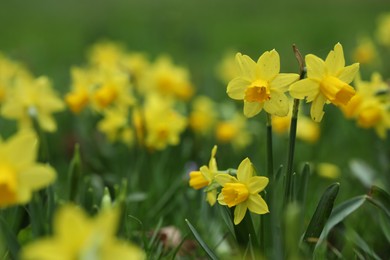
(240, 191)
(136, 100)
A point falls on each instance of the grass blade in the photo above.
(203, 244)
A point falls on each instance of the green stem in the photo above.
(291, 150)
(270, 159)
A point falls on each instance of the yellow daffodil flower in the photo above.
(260, 85)
(163, 124)
(33, 100)
(20, 174)
(365, 52)
(243, 192)
(203, 116)
(205, 176)
(383, 30)
(78, 236)
(327, 81)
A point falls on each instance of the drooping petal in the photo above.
(257, 184)
(283, 80)
(245, 170)
(335, 61)
(211, 197)
(305, 88)
(236, 88)
(268, 65)
(252, 108)
(257, 204)
(223, 178)
(277, 105)
(348, 73)
(316, 110)
(315, 67)
(239, 212)
(247, 66)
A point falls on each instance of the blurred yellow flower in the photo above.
(365, 52)
(260, 85)
(115, 126)
(243, 191)
(33, 100)
(78, 236)
(234, 131)
(20, 174)
(163, 124)
(327, 81)
(370, 106)
(203, 116)
(227, 69)
(205, 176)
(328, 170)
(167, 79)
(383, 30)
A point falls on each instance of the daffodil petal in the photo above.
(316, 110)
(21, 149)
(37, 176)
(47, 122)
(245, 170)
(221, 199)
(257, 204)
(305, 88)
(247, 66)
(45, 248)
(211, 197)
(257, 184)
(268, 65)
(335, 61)
(283, 80)
(252, 108)
(223, 178)
(236, 88)
(239, 212)
(348, 73)
(277, 105)
(315, 67)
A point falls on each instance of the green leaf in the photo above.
(74, 174)
(380, 198)
(363, 172)
(10, 239)
(339, 213)
(203, 244)
(321, 215)
(362, 245)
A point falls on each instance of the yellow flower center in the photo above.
(77, 100)
(336, 91)
(105, 95)
(8, 185)
(197, 180)
(369, 117)
(234, 193)
(257, 94)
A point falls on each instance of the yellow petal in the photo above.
(46, 248)
(47, 122)
(21, 149)
(283, 80)
(37, 176)
(122, 250)
(247, 66)
(277, 105)
(316, 110)
(236, 88)
(348, 73)
(335, 60)
(268, 65)
(305, 88)
(315, 67)
(252, 108)
(245, 170)
(239, 213)
(257, 184)
(223, 178)
(211, 197)
(257, 204)
(221, 199)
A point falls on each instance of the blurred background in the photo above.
(50, 36)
